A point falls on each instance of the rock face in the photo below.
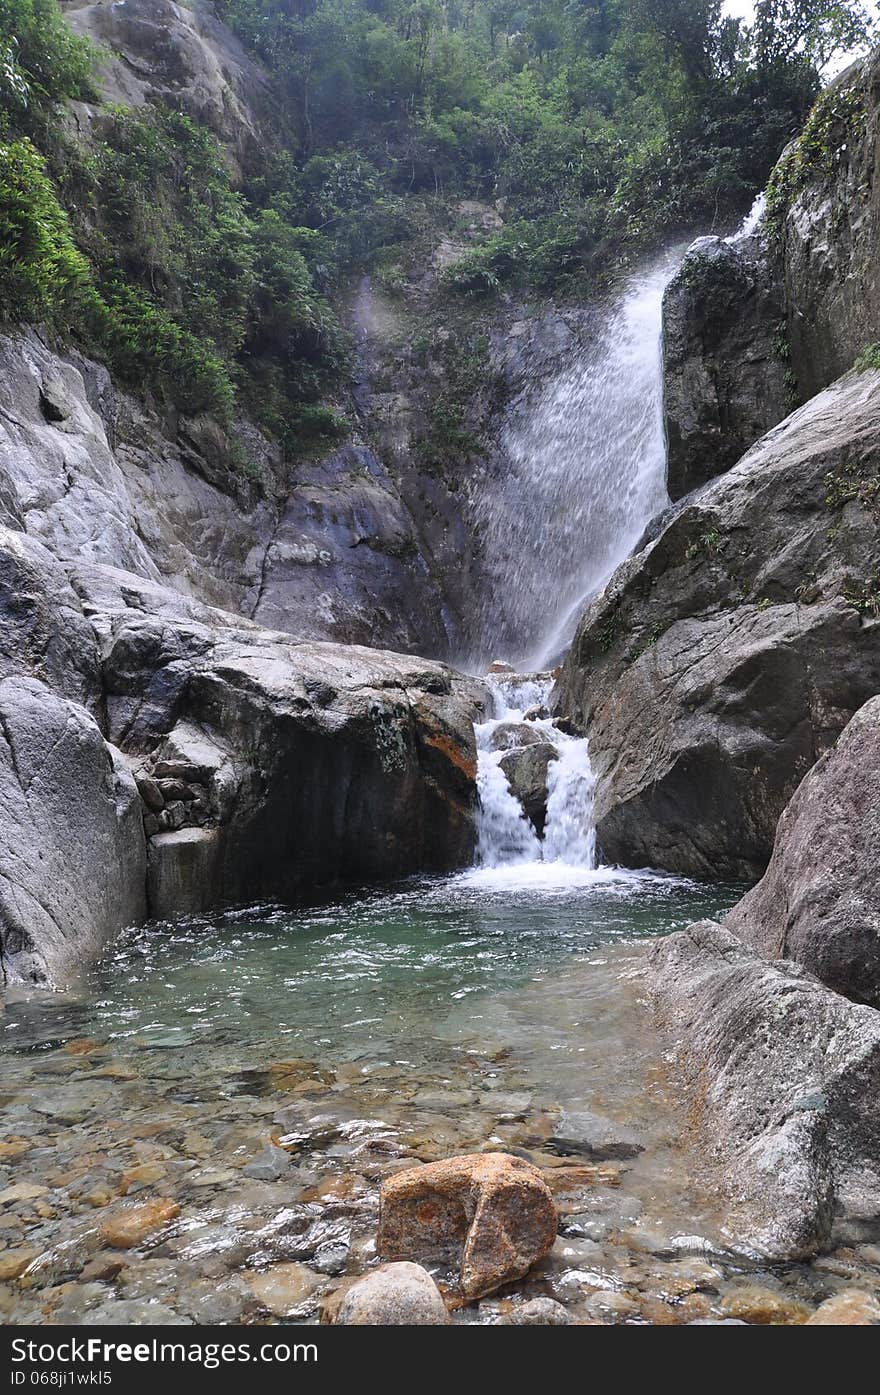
(784, 1076)
(154, 50)
(72, 855)
(725, 657)
(828, 218)
(724, 352)
(819, 901)
(300, 765)
(490, 1214)
(394, 1295)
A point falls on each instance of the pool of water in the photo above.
(256, 1075)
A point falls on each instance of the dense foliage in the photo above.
(597, 127)
(602, 125)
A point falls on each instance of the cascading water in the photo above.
(506, 838)
(583, 473)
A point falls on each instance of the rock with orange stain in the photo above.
(491, 1214)
(131, 1226)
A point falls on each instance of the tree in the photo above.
(811, 32)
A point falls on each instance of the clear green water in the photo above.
(368, 976)
(403, 1025)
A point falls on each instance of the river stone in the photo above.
(763, 1307)
(819, 901)
(724, 358)
(285, 1290)
(852, 1307)
(131, 1226)
(783, 1077)
(394, 1295)
(538, 1312)
(269, 1166)
(491, 1214)
(594, 1136)
(729, 653)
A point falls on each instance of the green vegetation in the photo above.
(596, 130)
(869, 358)
(835, 122)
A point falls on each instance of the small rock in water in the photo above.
(394, 1295)
(539, 1312)
(13, 1263)
(135, 1312)
(128, 1228)
(331, 1258)
(852, 1307)
(490, 1213)
(593, 1136)
(763, 1307)
(269, 1166)
(285, 1289)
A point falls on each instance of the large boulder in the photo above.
(489, 1214)
(728, 654)
(725, 357)
(72, 858)
(819, 901)
(275, 767)
(783, 1077)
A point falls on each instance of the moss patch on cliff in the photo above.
(837, 119)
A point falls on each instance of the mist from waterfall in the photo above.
(583, 471)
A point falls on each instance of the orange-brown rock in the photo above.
(852, 1307)
(125, 1229)
(490, 1214)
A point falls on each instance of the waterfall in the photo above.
(583, 471)
(505, 837)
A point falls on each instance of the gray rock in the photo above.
(394, 1295)
(331, 1258)
(594, 1136)
(725, 368)
(526, 770)
(300, 792)
(828, 230)
(136, 1312)
(539, 1312)
(784, 1080)
(270, 1166)
(72, 857)
(819, 901)
(729, 653)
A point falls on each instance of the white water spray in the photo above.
(584, 472)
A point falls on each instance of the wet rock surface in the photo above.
(492, 1216)
(400, 1294)
(818, 903)
(725, 368)
(783, 1075)
(727, 656)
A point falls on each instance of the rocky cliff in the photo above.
(727, 655)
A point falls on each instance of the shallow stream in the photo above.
(262, 1072)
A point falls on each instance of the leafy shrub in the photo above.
(43, 275)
